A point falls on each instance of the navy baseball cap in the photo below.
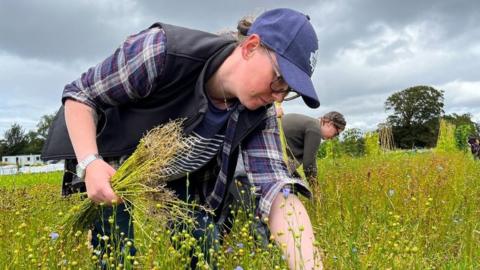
(291, 36)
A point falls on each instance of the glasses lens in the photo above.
(279, 85)
(338, 129)
(291, 95)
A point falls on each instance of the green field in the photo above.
(392, 211)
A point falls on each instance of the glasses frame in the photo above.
(337, 129)
(278, 78)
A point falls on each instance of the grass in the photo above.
(27, 180)
(395, 211)
(399, 211)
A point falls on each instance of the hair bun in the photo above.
(243, 26)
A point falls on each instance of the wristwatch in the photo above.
(82, 165)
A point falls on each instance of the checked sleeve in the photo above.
(129, 74)
(265, 167)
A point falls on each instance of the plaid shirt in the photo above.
(131, 73)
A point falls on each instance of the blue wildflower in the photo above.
(286, 191)
(54, 235)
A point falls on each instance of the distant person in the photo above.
(474, 147)
(17, 163)
(304, 134)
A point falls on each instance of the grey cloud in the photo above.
(90, 30)
(62, 30)
(363, 112)
(342, 23)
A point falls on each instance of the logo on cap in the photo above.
(313, 60)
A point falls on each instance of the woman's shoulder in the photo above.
(193, 43)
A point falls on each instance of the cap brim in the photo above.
(299, 81)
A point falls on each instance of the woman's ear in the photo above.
(249, 45)
(322, 122)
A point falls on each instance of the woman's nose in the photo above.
(278, 97)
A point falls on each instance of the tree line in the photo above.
(16, 141)
(414, 119)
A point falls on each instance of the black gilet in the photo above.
(192, 56)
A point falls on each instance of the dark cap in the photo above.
(291, 36)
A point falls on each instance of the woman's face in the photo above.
(329, 130)
(255, 75)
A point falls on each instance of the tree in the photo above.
(15, 140)
(18, 142)
(353, 143)
(34, 143)
(44, 125)
(416, 114)
(464, 128)
(463, 119)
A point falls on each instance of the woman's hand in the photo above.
(97, 181)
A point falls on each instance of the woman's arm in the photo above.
(291, 227)
(125, 76)
(266, 169)
(80, 120)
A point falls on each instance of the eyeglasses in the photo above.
(279, 85)
(337, 129)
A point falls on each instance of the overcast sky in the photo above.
(369, 49)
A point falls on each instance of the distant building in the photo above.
(23, 160)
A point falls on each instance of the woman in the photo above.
(304, 134)
(223, 89)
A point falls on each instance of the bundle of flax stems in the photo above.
(140, 182)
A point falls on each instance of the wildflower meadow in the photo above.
(386, 210)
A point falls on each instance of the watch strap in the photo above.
(88, 159)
